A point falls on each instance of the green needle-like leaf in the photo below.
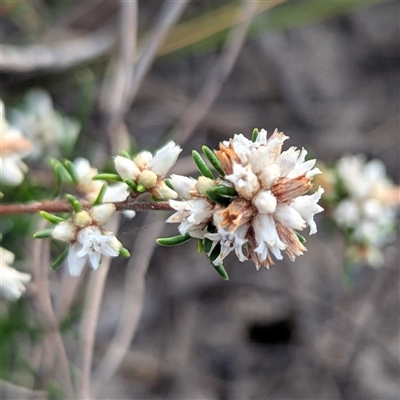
(70, 167)
(60, 259)
(124, 252)
(140, 188)
(301, 238)
(43, 234)
(254, 135)
(107, 177)
(51, 218)
(132, 184)
(219, 198)
(125, 154)
(200, 246)
(225, 190)
(174, 240)
(214, 160)
(201, 165)
(100, 196)
(221, 271)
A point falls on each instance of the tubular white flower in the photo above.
(13, 147)
(244, 181)
(265, 202)
(12, 282)
(193, 215)
(164, 159)
(91, 243)
(102, 213)
(126, 168)
(184, 187)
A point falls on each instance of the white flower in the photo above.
(370, 206)
(87, 238)
(115, 193)
(12, 282)
(13, 147)
(193, 215)
(185, 187)
(90, 244)
(43, 125)
(149, 170)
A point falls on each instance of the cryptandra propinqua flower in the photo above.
(256, 205)
(13, 147)
(12, 282)
(367, 206)
(87, 238)
(149, 171)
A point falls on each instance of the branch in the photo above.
(58, 206)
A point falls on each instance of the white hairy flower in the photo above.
(12, 282)
(369, 208)
(49, 131)
(270, 206)
(13, 147)
(87, 238)
(149, 170)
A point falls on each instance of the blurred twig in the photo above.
(212, 87)
(40, 268)
(58, 56)
(90, 317)
(133, 300)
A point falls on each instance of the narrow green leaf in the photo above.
(43, 234)
(199, 246)
(77, 206)
(225, 190)
(174, 240)
(70, 167)
(60, 259)
(140, 188)
(100, 196)
(219, 198)
(107, 177)
(71, 199)
(301, 238)
(254, 135)
(124, 252)
(201, 165)
(207, 244)
(132, 184)
(168, 183)
(221, 271)
(125, 154)
(61, 172)
(214, 160)
(51, 218)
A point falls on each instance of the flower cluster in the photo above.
(366, 206)
(255, 207)
(39, 122)
(12, 282)
(147, 172)
(13, 147)
(88, 239)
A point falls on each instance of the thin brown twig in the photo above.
(89, 321)
(40, 268)
(60, 206)
(133, 301)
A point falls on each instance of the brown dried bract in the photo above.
(239, 212)
(287, 189)
(288, 236)
(14, 145)
(227, 156)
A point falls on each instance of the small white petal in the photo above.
(164, 159)
(102, 213)
(289, 217)
(116, 193)
(75, 262)
(183, 186)
(64, 231)
(126, 168)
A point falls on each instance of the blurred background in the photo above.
(324, 72)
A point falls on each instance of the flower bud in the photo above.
(265, 202)
(82, 219)
(102, 213)
(65, 231)
(148, 179)
(204, 184)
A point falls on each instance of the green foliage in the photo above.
(201, 165)
(174, 240)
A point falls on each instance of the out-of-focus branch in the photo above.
(58, 56)
(133, 301)
(212, 87)
(89, 320)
